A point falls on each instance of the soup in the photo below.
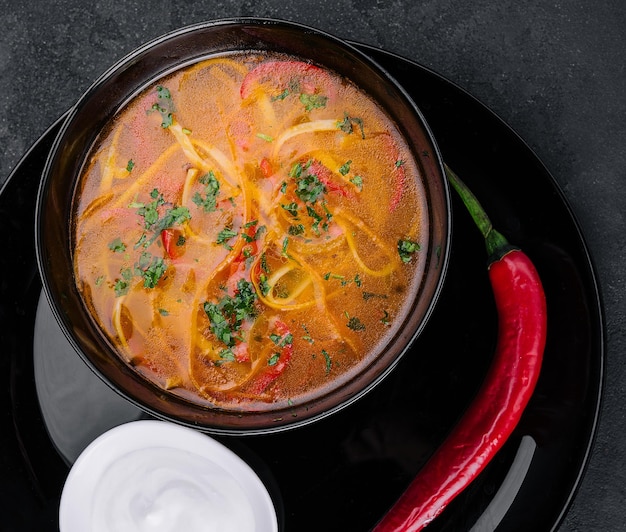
(248, 231)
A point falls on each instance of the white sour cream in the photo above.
(169, 490)
(150, 476)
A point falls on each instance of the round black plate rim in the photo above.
(591, 275)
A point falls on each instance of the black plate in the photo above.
(342, 473)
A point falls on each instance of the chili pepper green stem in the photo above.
(494, 241)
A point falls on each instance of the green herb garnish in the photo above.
(406, 248)
(266, 138)
(280, 96)
(224, 236)
(345, 168)
(150, 268)
(164, 106)
(227, 315)
(273, 360)
(117, 245)
(121, 287)
(357, 181)
(347, 125)
(208, 201)
(291, 208)
(329, 362)
(284, 251)
(149, 211)
(309, 188)
(281, 341)
(313, 101)
(296, 230)
(317, 219)
(307, 336)
(263, 284)
(355, 324)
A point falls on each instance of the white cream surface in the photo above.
(168, 489)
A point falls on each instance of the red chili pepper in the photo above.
(171, 239)
(266, 167)
(505, 392)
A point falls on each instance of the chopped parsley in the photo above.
(264, 286)
(121, 287)
(317, 219)
(208, 201)
(273, 360)
(296, 230)
(117, 245)
(130, 165)
(357, 181)
(227, 355)
(307, 336)
(309, 187)
(163, 93)
(313, 101)
(406, 248)
(224, 236)
(355, 324)
(173, 216)
(152, 221)
(281, 96)
(149, 211)
(347, 125)
(264, 265)
(291, 208)
(284, 252)
(151, 268)
(227, 315)
(345, 168)
(164, 106)
(281, 341)
(329, 362)
(266, 138)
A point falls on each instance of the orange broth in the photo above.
(249, 231)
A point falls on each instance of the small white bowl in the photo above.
(156, 476)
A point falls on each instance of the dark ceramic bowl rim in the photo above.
(152, 399)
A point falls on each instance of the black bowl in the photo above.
(109, 94)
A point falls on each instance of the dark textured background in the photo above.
(553, 70)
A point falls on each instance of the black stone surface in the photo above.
(552, 70)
